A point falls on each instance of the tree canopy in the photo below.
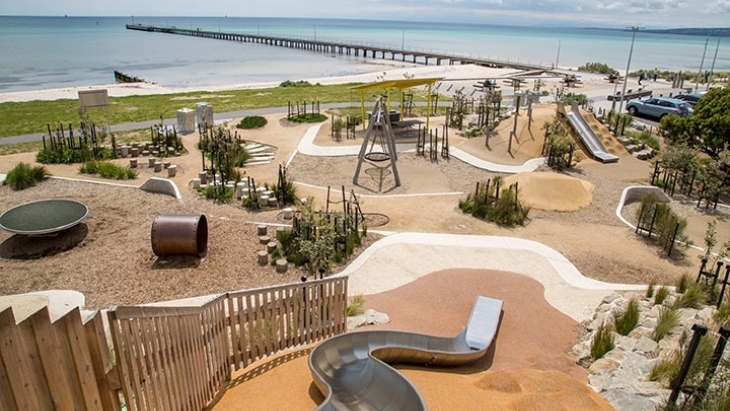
(708, 127)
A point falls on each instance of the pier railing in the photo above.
(353, 48)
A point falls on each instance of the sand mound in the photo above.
(552, 191)
(501, 381)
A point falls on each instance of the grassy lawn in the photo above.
(32, 117)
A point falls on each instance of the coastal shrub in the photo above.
(644, 137)
(356, 305)
(667, 321)
(559, 146)
(64, 156)
(626, 321)
(650, 289)
(596, 67)
(683, 282)
(569, 98)
(661, 294)
(603, 341)
(666, 371)
(508, 210)
(251, 122)
(107, 169)
(24, 176)
(308, 118)
(217, 193)
(505, 209)
(722, 315)
(299, 83)
(693, 297)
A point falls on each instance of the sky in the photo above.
(551, 13)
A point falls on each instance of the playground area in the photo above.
(108, 256)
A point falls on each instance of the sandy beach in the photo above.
(109, 257)
(457, 75)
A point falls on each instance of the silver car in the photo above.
(658, 107)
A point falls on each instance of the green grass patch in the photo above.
(31, 117)
(24, 176)
(8, 149)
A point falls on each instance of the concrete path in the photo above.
(401, 258)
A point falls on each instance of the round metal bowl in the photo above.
(43, 217)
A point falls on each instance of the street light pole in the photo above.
(634, 29)
(557, 59)
(702, 63)
(712, 67)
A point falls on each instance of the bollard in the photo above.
(134, 151)
(288, 213)
(263, 257)
(203, 176)
(133, 163)
(264, 239)
(281, 265)
(196, 183)
(158, 166)
(172, 171)
(151, 162)
(165, 164)
(262, 229)
(271, 246)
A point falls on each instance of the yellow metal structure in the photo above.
(400, 85)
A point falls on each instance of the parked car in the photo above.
(658, 107)
(691, 98)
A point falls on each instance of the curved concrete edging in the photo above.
(405, 257)
(152, 185)
(630, 194)
(307, 147)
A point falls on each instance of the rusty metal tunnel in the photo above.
(174, 234)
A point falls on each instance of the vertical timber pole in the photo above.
(699, 332)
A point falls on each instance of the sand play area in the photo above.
(108, 257)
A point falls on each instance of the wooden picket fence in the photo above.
(164, 358)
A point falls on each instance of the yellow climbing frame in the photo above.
(400, 85)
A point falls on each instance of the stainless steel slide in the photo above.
(352, 373)
(588, 137)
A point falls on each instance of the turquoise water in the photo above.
(50, 52)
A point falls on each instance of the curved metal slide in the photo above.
(588, 137)
(352, 373)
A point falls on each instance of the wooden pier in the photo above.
(357, 50)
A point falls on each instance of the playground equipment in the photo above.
(174, 234)
(351, 371)
(43, 217)
(587, 136)
(378, 146)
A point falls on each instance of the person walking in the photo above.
(641, 77)
(656, 72)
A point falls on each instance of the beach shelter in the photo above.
(389, 85)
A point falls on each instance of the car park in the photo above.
(691, 98)
(658, 107)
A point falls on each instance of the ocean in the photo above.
(53, 52)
